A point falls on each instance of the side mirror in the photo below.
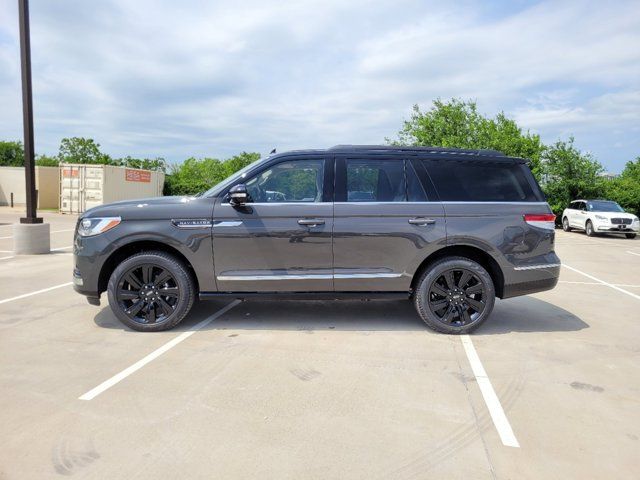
(238, 194)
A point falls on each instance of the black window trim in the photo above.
(340, 192)
(328, 181)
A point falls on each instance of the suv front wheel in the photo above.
(151, 291)
(454, 295)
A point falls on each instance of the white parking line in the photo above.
(7, 258)
(598, 283)
(488, 393)
(94, 392)
(637, 297)
(25, 295)
(633, 253)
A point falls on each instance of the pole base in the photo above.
(31, 220)
(31, 238)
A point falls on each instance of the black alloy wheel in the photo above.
(148, 293)
(457, 297)
(454, 295)
(151, 291)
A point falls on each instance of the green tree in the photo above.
(626, 189)
(158, 163)
(195, 176)
(47, 161)
(568, 174)
(11, 154)
(238, 162)
(457, 123)
(82, 150)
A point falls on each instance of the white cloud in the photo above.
(212, 78)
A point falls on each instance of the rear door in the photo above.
(280, 241)
(384, 223)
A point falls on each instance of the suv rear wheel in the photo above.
(151, 291)
(454, 295)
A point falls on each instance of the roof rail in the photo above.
(355, 148)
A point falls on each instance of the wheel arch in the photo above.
(472, 253)
(140, 246)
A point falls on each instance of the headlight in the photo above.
(600, 217)
(94, 226)
(635, 220)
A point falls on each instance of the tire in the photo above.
(136, 290)
(588, 229)
(453, 317)
(565, 224)
(630, 236)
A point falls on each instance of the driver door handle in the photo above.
(311, 222)
(422, 221)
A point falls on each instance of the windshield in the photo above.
(215, 190)
(604, 206)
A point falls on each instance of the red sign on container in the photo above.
(132, 175)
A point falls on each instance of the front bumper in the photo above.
(89, 255)
(611, 228)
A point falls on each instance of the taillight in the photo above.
(544, 220)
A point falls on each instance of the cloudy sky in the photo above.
(212, 78)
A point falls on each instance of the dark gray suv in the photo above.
(450, 229)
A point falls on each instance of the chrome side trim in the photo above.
(318, 276)
(252, 278)
(233, 223)
(340, 276)
(536, 267)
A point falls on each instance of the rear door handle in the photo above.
(422, 221)
(311, 222)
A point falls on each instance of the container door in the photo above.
(93, 187)
(70, 188)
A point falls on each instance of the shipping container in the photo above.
(85, 186)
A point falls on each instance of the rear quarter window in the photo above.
(480, 181)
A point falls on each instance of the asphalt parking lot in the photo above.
(319, 390)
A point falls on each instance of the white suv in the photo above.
(599, 216)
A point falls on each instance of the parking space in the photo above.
(349, 389)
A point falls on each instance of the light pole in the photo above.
(27, 114)
(31, 235)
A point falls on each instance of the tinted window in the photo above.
(480, 181)
(604, 206)
(375, 181)
(415, 192)
(295, 181)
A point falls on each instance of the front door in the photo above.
(280, 241)
(384, 223)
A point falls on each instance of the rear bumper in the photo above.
(531, 286)
(532, 278)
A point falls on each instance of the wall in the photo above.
(12, 180)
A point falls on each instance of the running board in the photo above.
(307, 295)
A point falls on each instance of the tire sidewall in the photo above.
(588, 228)
(432, 272)
(565, 224)
(181, 276)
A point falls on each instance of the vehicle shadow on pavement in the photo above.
(529, 314)
(525, 314)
